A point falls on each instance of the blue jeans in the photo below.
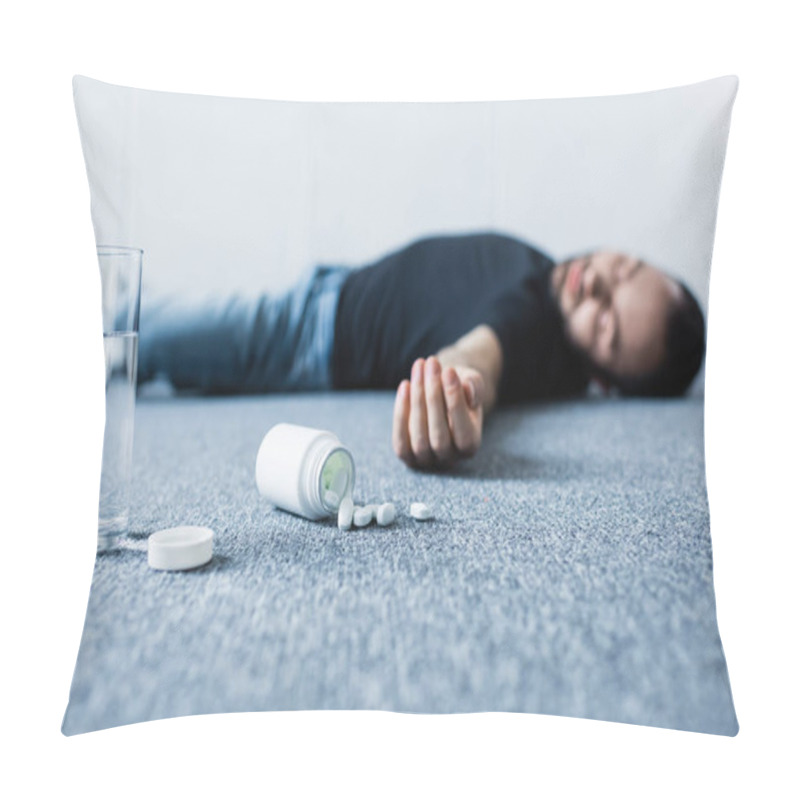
(240, 344)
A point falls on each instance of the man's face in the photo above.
(615, 310)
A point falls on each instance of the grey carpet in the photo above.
(568, 571)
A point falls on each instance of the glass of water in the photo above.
(121, 281)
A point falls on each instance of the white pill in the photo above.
(332, 499)
(421, 511)
(184, 547)
(362, 515)
(386, 514)
(345, 514)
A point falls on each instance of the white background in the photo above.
(52, 385)
(268, 187)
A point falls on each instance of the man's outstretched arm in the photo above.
(438, 414)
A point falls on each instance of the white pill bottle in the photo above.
(304, 470)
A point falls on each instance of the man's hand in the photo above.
(438, 414)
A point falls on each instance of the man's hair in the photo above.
(685, 349)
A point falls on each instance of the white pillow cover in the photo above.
(228, 194)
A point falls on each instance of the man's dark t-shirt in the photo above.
(424, 297)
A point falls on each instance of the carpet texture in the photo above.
(568, 571)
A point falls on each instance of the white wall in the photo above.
(229, 194)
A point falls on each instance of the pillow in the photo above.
(242, 196)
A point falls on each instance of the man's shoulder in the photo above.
(497, 243)
(484, 235)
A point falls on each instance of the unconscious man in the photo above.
(456, 324)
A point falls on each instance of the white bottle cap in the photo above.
(185, 547)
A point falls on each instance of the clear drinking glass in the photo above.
(121, 280)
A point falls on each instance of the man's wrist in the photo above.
(479, 350)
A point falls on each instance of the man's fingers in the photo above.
(466, 430)
(400, 437)
(473, 390)
(439, 438)
(418, 417)
(437, 415)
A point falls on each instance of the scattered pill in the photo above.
(386, 514)
(184, 547)
(362, 515)
(421, 511)
(345, 514)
